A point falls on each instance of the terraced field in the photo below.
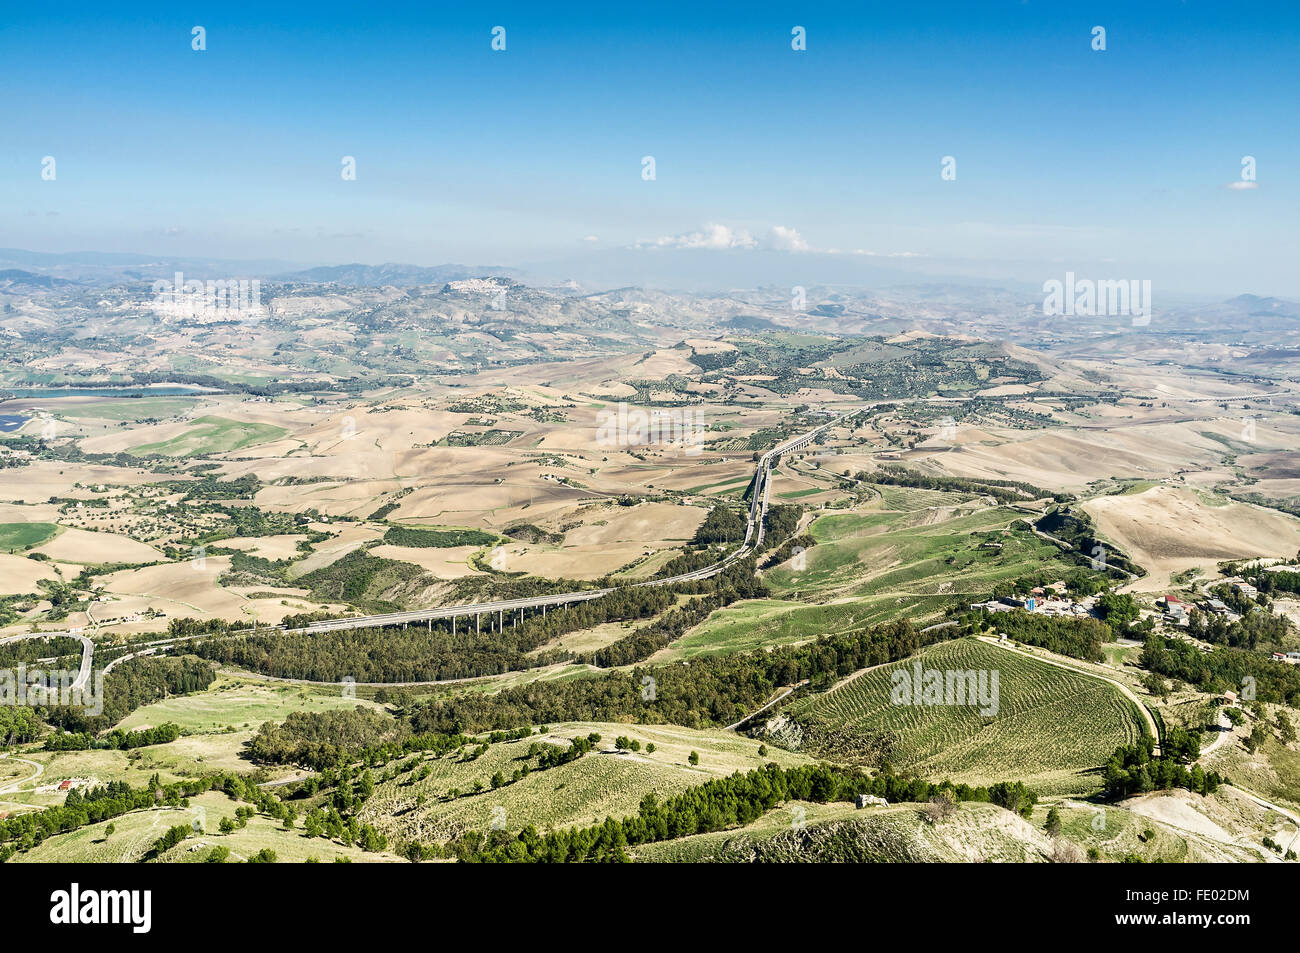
(603, 783)
(1052, 727)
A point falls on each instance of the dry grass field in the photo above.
(1168, 529)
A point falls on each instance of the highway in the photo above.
(753, 540)
(758, 504)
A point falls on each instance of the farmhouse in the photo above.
(1175, 610)
(869, 800)
(1061, 607)
(990, 606)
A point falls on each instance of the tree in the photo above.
(1118, 609)
(1154, 684)
(1053, 825)
(941, 806)
(109, 831)
(1015, 797)
(1258, 735)
(1285, 729)
(371, 840)
(693, 758)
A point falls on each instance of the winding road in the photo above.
(87, 651)
(14, 786)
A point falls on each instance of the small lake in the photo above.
(11, 422)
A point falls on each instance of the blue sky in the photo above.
(1065, 157)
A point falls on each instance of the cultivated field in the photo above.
(1051, 730)
(602, 783)
(1168, 530)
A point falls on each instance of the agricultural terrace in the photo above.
(437, 798)
(1052, 728)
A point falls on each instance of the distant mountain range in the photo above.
(670, 270)
(1256, 306)
(397, 275)
(98, 269)
(15, 279)
(47, 270)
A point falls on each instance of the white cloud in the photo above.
(893, 254)
(712, 236)
(786, 239)
(1241, 185)
(715, 237)
(590, 238)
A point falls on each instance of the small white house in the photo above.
(869, 800)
